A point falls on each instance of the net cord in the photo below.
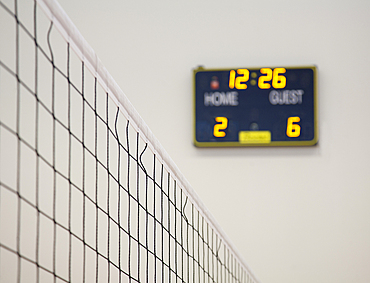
(83, 50)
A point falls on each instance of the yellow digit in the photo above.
(218, 127)
(232, 79)
(263, 79)
(279, 81)
(242, 79)
(293, 130)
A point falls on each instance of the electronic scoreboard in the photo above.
(255, 106)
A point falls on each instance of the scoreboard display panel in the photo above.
(269, 106)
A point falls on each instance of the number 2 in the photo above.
(218, 127)
(262, 81)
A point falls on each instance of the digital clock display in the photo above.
(255, 106)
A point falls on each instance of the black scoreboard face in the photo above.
(255, 107)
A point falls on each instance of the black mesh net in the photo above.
(83, 198)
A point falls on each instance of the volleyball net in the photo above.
(87, 193)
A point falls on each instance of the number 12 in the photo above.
(237, 81)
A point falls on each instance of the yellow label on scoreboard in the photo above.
(254, 136)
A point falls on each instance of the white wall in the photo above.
(296, 214)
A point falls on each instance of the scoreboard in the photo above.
(269, 106)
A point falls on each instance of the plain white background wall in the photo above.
(295, 214)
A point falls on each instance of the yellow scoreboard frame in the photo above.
(267, 106)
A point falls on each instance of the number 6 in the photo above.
(278, 80)
(293, 130)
